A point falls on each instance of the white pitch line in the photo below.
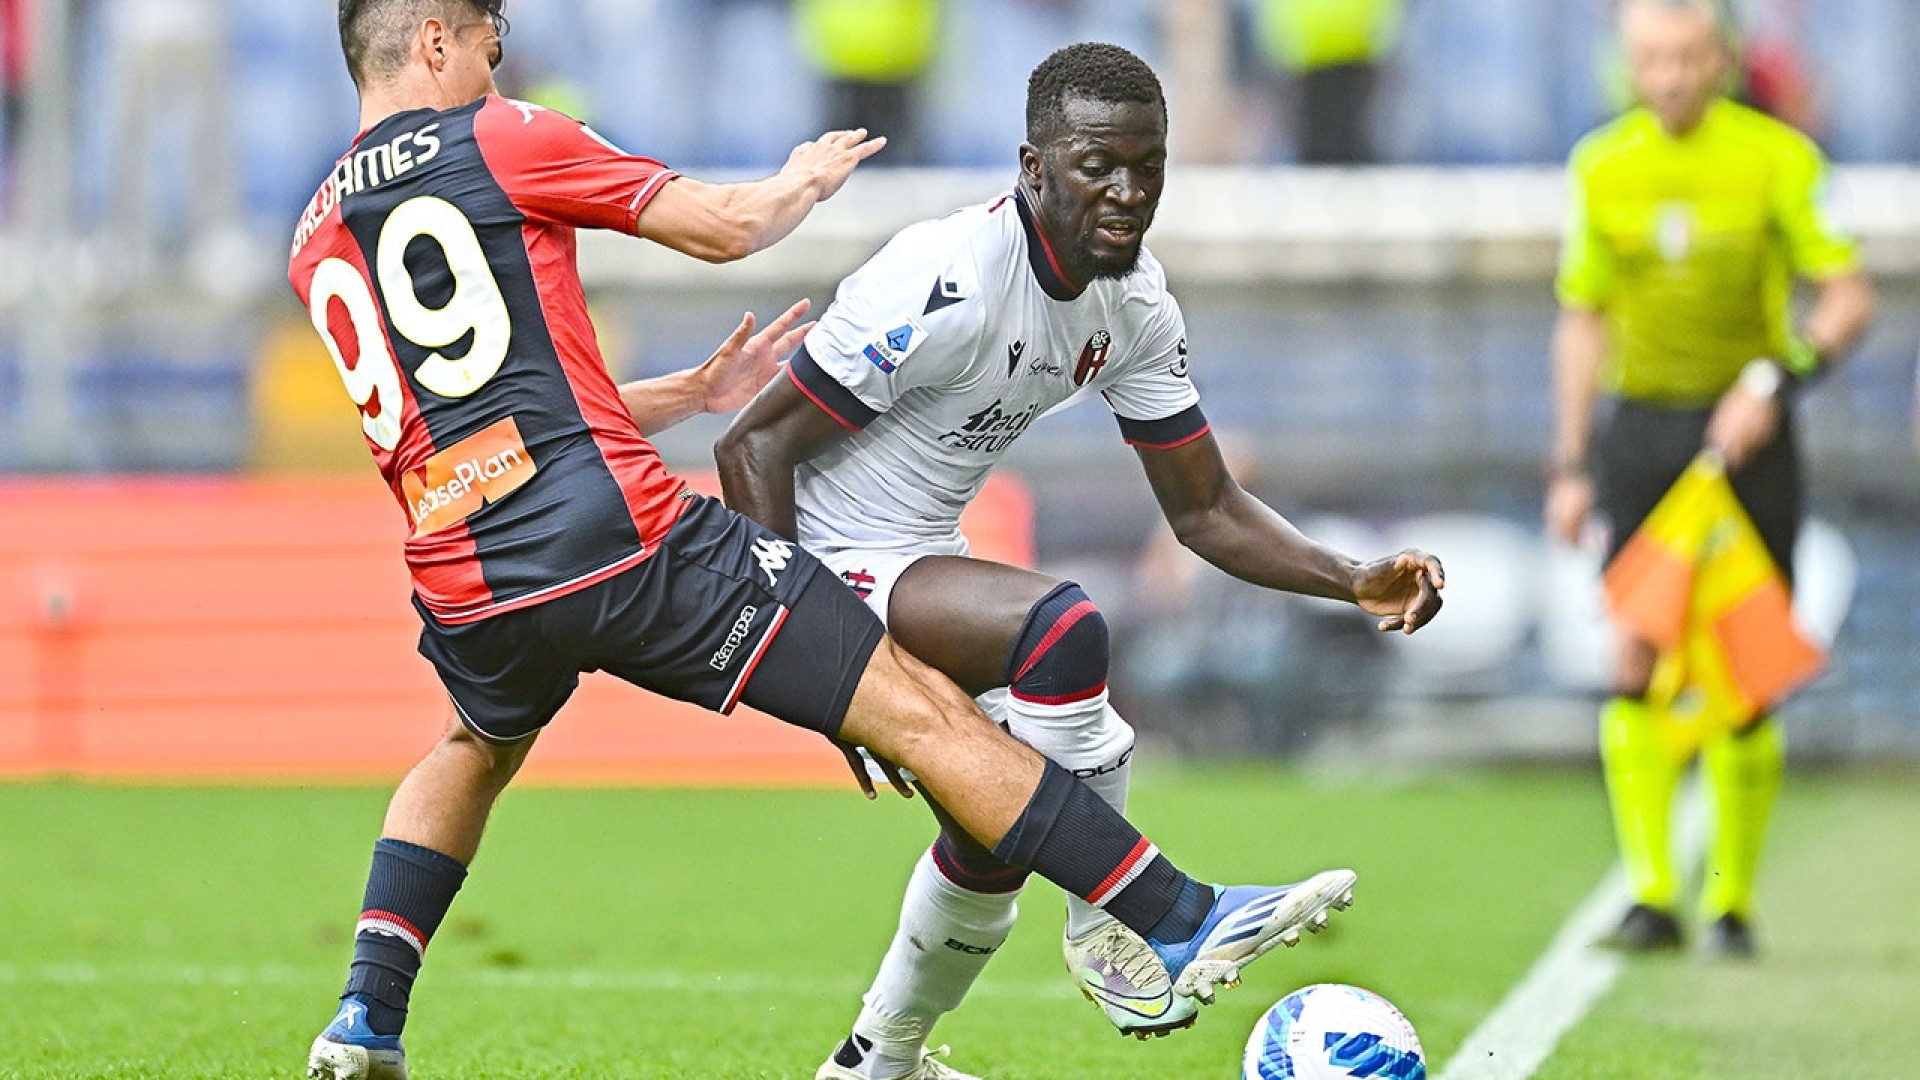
(593, 979)
(1568, 978)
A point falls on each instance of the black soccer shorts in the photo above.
(1640, 449)
(724, 612)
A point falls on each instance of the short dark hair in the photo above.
(1092, 70)
(373, 33)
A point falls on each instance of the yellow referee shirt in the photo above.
(1690, 245)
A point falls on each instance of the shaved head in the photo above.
(1718, 18)
(1678, 56)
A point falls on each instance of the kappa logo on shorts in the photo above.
(482, 468)
(719, 660)
(772, 555)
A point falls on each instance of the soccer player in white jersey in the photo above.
(933, 358)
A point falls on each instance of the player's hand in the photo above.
(1569, 504)
(858, 763)
(1405, 588)
(832, 157)
(746, 361)
(1742, 423)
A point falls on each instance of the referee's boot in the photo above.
(1729, 937)
(1644, 929)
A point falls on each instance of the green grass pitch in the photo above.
(203, 932)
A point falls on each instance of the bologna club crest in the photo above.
(1093, 357)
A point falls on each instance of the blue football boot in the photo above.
(1245, 922)
(349, 1050)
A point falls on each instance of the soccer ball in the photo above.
(1328, 1031)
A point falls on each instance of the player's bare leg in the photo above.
(905, 712)
(444, 801)
(432, 830)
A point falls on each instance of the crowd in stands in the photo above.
(253, 90)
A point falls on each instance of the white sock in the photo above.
(946, 936)
(1090, 740)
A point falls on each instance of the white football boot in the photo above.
(846, 1064)
(1118, 971)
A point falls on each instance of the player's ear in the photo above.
(1030, 165)
(433, 42)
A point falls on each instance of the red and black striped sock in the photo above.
(1070, 836)
(409, 889)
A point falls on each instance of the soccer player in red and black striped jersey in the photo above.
(546, 538)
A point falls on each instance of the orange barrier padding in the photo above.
(260, 628)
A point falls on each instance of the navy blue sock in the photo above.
(972, 867)
(1183, 919)
(409, 889)
(1070, 836)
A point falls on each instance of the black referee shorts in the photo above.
(724, 612)
(1640, 449)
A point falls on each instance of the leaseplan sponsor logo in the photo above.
(482, 468)
(891, 351)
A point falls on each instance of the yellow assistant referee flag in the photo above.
(1697, 582)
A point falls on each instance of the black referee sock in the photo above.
(409, 889)
(1070, 836)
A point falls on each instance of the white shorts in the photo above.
(872, 575)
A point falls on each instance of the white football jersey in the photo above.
(949, 343)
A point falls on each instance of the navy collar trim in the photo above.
(1046, 267)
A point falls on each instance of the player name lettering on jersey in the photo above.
(482, 468)
(992, 429)
(368, 167)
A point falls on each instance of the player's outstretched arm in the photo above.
(1218, 520)
(779, 428)
(1403, 589)
(723, 222)
(727, 380)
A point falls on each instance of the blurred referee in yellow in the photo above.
(1690, 217)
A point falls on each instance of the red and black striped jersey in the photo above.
(438, 264)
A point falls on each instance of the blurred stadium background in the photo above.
(1373, 341)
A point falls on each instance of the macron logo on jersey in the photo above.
(772, 555)
(890, 352)
(946, 293)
